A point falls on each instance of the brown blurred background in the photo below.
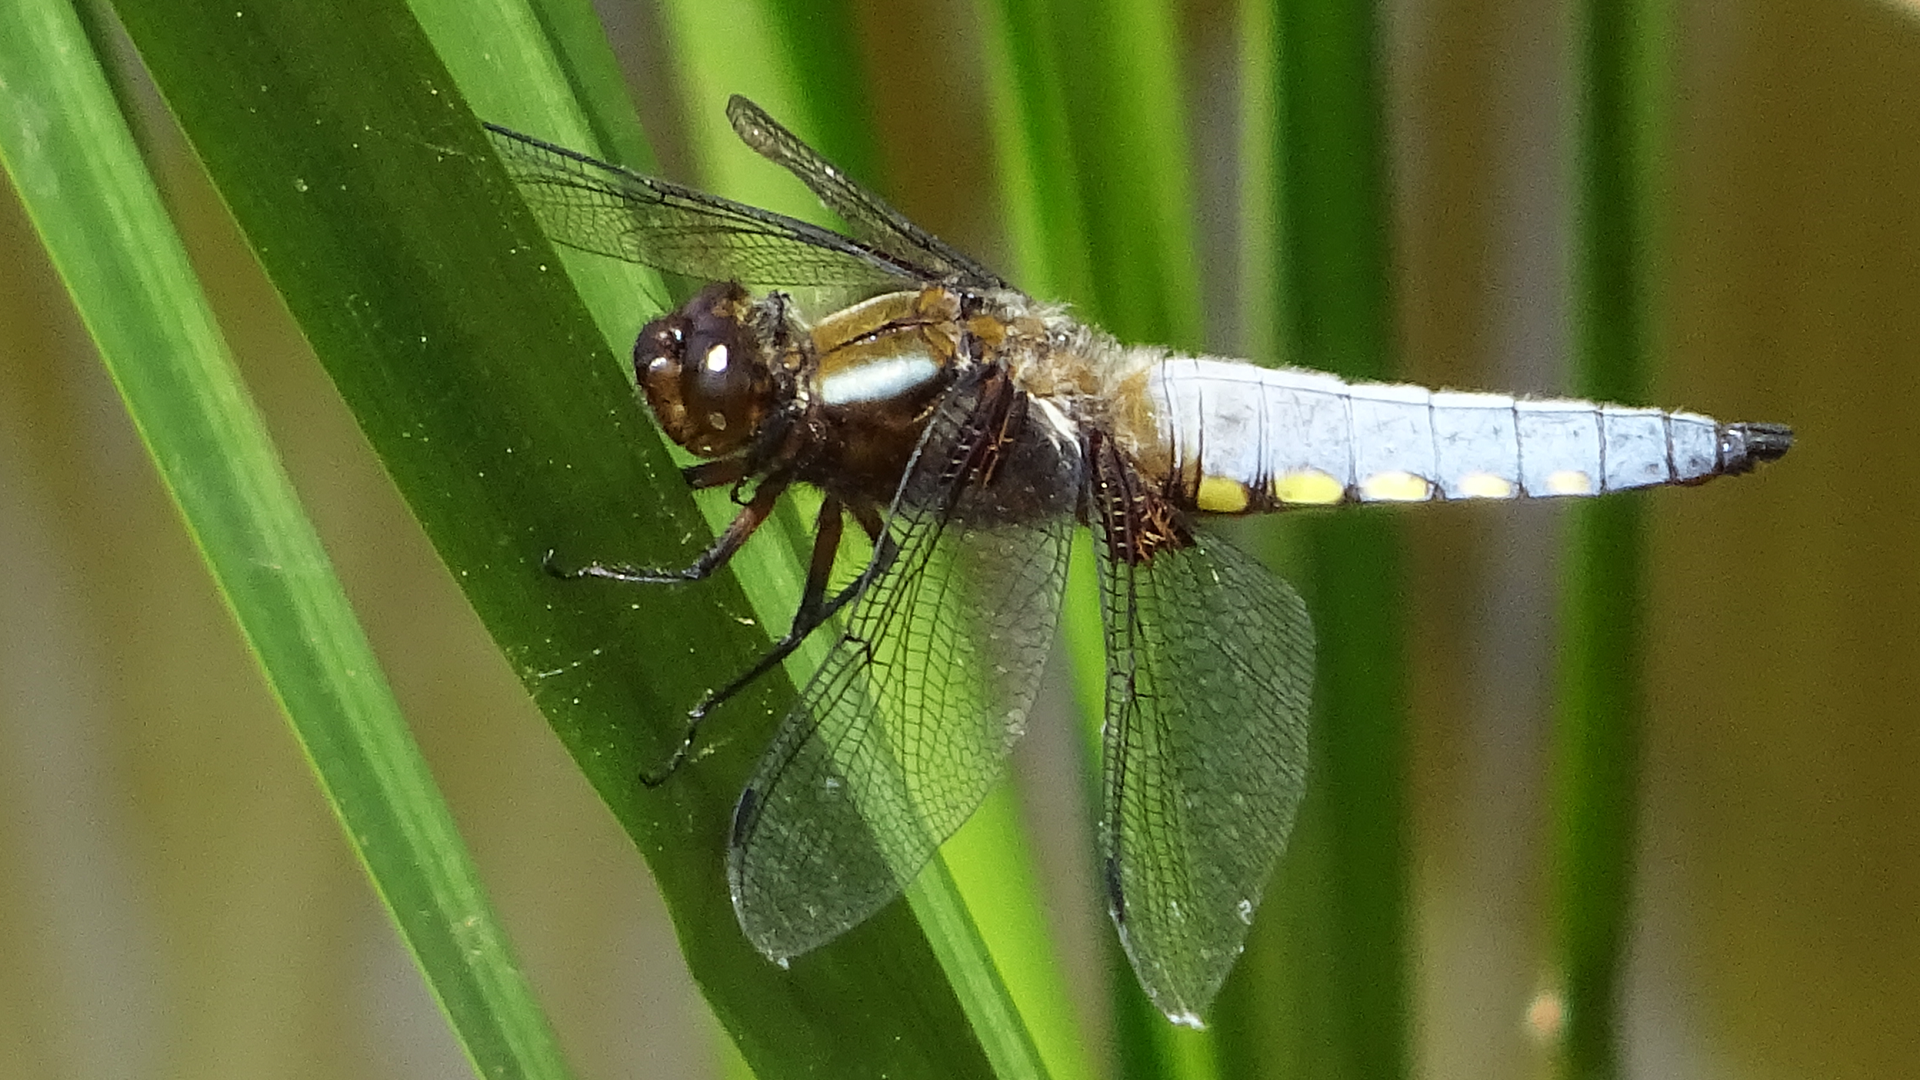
(175, 899)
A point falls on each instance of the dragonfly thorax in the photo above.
(705, 372)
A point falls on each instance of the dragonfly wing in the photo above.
(870, 217)
(607, 210)
(908, 722)
(1209, 676)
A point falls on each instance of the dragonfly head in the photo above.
(705, 373)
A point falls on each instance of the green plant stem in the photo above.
(1336, 278)
(1597, 743)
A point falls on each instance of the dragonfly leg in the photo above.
(816, 607)
(712, 474)
(750, 518)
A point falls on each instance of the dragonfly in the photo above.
(968, 429)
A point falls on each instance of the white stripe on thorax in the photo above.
(877, 380)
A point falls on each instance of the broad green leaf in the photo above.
(342, 144)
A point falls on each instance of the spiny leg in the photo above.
(815, 608)
(750, 518)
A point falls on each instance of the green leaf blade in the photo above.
(351, 163)
(101, 219)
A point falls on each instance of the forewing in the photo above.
(607, 210)
(1209, 675)
(869, 216)
(908, 722)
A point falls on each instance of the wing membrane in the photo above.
(872, 219)
(908, 722)
(607, 210)
(1210, 672)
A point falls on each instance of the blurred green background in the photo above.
(175, 899)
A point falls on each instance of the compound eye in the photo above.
(719, 375)
(702, 372)
(660, 350)
(723, 385)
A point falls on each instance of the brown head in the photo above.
(704, 371)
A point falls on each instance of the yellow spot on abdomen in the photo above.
(1396, 487)
(1308, 487)
(1569, 482)
(1485, 485)
(1221, 495)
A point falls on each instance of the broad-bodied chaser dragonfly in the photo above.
(967, 429)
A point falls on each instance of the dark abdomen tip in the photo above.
(1766, 442)
(1743, 446)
